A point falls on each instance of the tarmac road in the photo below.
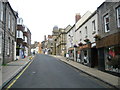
(49, 72)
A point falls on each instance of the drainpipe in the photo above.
(4, 21)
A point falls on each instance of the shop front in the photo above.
(109, 54)
(84, 54)
(112, 58)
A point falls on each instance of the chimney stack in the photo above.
(77, 17)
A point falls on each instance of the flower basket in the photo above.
(75, 46)
(86, 40)
(17, 47)
(80, 44)
(97, 37)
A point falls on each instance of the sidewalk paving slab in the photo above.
(103, 76)
(12, 69)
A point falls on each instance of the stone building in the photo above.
(23, 48)
(55, 33)
(109, 31)
(61, 42)
(1, 32)
(19, 36)
(9, 42)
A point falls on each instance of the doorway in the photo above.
(94, 57)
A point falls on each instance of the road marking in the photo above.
(18, 76)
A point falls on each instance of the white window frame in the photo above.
(12, 27)
(0, 43)
(8, 49)
(106, 23)
(1, 11)
(118, 17)
(9, 20)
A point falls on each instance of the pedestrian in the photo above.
(67, 57)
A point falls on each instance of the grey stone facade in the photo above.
(29, 42)
(1, 32)
(109, 43)
(9, 33)
(107, 8)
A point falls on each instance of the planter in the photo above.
(80, 44)
(97, 37)
(87, 40)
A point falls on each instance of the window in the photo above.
(12, 25)
(8, 49)
(9, 21)
(0, 43)
(1, 12)
(19, 34)
(106, 23)
(112, 58)
(93, 25)
(86, 30)
(118, 16)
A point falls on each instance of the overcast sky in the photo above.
(40, 16)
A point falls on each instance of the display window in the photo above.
(85, 58)
(112, 58)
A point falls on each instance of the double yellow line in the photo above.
(18, 76)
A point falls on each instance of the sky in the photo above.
(40, 16)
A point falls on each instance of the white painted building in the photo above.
(87, 29)
(78, 35)
(68, 39)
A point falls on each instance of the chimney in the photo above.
(77, 17)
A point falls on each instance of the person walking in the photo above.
(67, 57)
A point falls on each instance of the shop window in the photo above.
(112, 59)
(86, 61)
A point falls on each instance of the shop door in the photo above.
(94, 61)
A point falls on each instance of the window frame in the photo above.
(1, 11)
(12, 27)
(93, 25)
(9, 20)
(106, 23)
(118, 17)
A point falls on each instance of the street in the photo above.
(48, 72)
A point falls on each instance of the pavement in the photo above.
(103, 76)
(11, 70)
